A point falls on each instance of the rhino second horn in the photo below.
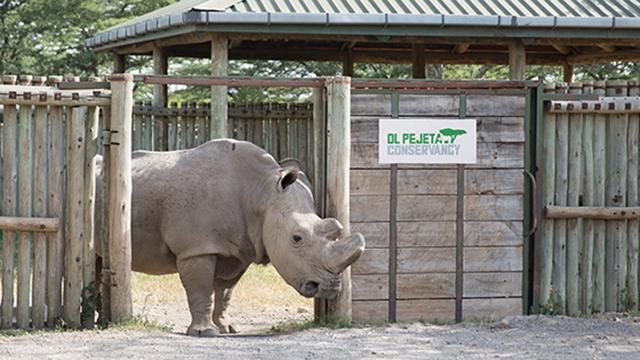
(329, 228)
(342, 253)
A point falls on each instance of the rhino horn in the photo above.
(342, 253)
(329, 228)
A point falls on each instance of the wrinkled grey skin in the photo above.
(209, 212)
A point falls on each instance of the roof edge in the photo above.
(130, 31)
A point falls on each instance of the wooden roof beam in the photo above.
(600, 58)
(607, 48)
(461, 48)
(562, 49)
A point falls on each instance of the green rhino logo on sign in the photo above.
(452, 133)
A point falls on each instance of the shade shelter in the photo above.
(386, 202)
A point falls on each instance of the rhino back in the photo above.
(194, 202)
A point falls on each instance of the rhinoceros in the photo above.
(209, 212)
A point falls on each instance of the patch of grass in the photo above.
(554, 306)
(288, 327)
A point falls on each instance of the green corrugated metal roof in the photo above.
(579, 8)
(386, 17)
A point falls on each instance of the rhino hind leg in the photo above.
(196, 275)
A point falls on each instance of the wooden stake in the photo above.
(338, 169)
(120, 197)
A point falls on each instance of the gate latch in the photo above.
(110, 137)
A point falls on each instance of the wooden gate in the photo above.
(443, 241)
(587, 250)
(49, 144)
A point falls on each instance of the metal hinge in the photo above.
(110, 137)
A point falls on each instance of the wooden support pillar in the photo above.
(347, 64)
(517, 61)
(119, 63)
(418, 62)
(160, 67)
(219, 107)
(567, 73)
(337, 179)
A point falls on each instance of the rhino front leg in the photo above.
(223, 291)
(197, 274)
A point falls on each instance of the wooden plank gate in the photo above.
(587, 250)
(49, 140)
(443, 241)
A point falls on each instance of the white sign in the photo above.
(427, 141)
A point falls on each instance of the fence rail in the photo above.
(587, 256)
(284, 130)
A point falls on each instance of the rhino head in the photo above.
(308, 252)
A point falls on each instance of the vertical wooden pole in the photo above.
(616, 196)
(88, 265)
(418, 65)
(119, 63)
(105, 276)
(120, 197)
(55, 205)
(9, 208)
(347, 64)
(160, 67)
(573, 199)
(517, 60)
(75, 207)
(40, 210)
(633, 167)
(219, 65)
(548, 190)
(338, 168)
(25, 181)
(567, 73)
(587, 265)
(599, 196)
(559, 274)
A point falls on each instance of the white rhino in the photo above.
(209, 212)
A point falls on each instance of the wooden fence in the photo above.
(49, 142)
(284, 130)
(587, 251)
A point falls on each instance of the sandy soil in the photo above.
(534, 337)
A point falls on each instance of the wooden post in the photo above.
(120, 196)
(9, 208)
(588, 200)
(633, 238)
(119, 63)
(418, 64)
(347, 64)
(338, 168)
(545, 264)
(573, 199)
(559, 274)
(105, 276)
(55, 205)
(319, 162)
(160, 67)
(517, 60)
(567, 73)
(599, 196)
(40, 210)
(88, 264)
(75, 216)
(219, 106)
(25, 177)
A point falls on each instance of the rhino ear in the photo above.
(288, 176)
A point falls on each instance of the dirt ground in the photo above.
(534, 337)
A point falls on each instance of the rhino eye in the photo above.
(297, 238)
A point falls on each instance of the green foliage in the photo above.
(553, 306)
(47, 37)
